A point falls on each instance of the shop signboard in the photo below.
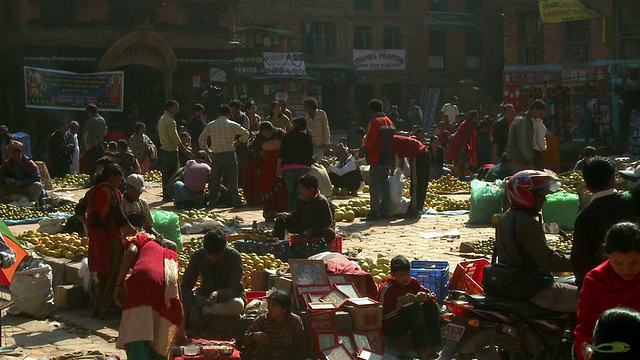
(379, 60)
(249, 64)
(284, 64)
(556, 11)
(64, 90)
(446, 20)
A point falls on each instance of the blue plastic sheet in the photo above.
(36, 220)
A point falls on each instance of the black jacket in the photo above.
(296, 148)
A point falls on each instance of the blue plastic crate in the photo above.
(25, 139)
(434, 275)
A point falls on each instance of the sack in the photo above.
(32, 292)
(486, 200)
(561, 208)
(324, 182)
(514, 282)
(167, 223)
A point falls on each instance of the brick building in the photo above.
(586, 70)
(360, 49)
(163, 48)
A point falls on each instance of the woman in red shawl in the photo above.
(274, 191)
(152, 311)
(614, 283)
(462, 147)
(105, 222)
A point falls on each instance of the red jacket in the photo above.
(464, 139)
(29, 172)
(389, 293)
(379, 139)
(603, 289)
(407, 147)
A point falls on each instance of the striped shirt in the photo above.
(222, 133)
(389, 293)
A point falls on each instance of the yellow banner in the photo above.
(556, 11)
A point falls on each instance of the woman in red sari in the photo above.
(105, 223)
(152, 312)
(274, 192)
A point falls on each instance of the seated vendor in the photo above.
(312, 215)
(277, 335)
(19, 176)
(588, 153)
(345, 175)
(190, 192)
(408, 306)
(221, 291)
(500, 171)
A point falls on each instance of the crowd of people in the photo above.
(270, 158)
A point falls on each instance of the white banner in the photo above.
(282, 63)
(380, 60)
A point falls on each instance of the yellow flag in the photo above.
(555, 11)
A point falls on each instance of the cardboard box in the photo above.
(70, 297)
(365, 318)
(259, 280)
(284, 284)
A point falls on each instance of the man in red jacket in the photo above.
(420, 163)
(378, 149)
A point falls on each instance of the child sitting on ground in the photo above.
(408, 306)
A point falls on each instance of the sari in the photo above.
(144, 150)
(152, 312)
(273, 188)
(104, 222)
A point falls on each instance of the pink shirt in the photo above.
(196, 175)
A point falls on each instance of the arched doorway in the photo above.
(148, 63)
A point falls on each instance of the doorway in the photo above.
(363, 93)
(143, 89)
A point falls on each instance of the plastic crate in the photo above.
(335, 246)
(468, 276)
(25, 139)
(281, 249)
(434, 275)
(251, 295)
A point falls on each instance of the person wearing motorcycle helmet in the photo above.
(527, 191)
(616, 335)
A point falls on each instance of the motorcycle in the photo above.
(487, 327)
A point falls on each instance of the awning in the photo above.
(276, 77)
(264, 30)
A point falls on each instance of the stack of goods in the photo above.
(322, 296)
(153, 175)
(449, 184)
(486, 200)
(56, 245)
(352, 209)
(70, 181)
(200, 221)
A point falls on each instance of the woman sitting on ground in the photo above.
(278, 335)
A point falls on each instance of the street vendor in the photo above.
(345, 175)
(408, 306)
(19, 175)
(312, 215)
(221, 291)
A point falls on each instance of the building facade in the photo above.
(360, 49)
(164, 49)
(584, 62)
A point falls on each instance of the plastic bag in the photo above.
(167, 223)
(86, 276)
(561, 208)
(324, 183)
(486, 200)
(32, 292)
(399, 204)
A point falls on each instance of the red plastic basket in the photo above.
(468, 276)
(251, 295)
(336, 244)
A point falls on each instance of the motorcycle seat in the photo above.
(521, 308)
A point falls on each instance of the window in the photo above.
(437, 5)
(577, 41)
(474, 6)
(437, 46)
(391, 36)
(362, 37)
(391, 5)
(530, 40)
(628, 24)
(320, 38)
(54, 13)
(474, 50)
(132, 12)
(362, 5)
